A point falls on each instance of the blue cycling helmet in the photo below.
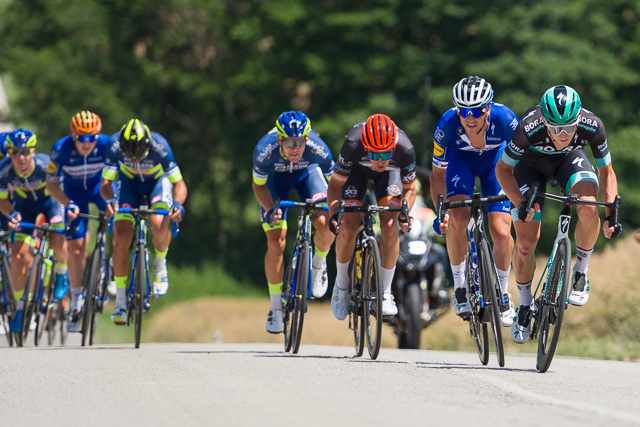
(293, 124)
(21, 138)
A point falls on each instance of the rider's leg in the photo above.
(524, 265)
(21, 260)
(500, 229)
(457, 241)
(345, 245)
(273, 263)
(77, 251)
(588, 226)
(61, 251)
(122, 235)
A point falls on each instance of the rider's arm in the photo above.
(334, 194)
(410, 195)
(6, 207)
(504, 173)
(180, 191)
(263, 195)
(609, 185)
(57, 193)
(106, 190)
(438, 184)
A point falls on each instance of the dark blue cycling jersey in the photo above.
(153, 166)
(32, 186)
(78, 172)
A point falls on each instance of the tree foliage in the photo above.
(213, 75)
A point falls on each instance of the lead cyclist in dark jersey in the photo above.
(374, 150)
(549, 145)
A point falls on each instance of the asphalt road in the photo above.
(259, 384)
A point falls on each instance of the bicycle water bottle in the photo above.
(48, 264)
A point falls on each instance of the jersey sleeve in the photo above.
(54, 169)
(408, 169)
(600, 147)
(262, 160)
(112, 159)
(516, 147)
(168, 162)
(440, 158)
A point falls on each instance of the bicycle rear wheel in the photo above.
(91, 279)
(478, 330)
(354, 299)
(490, 282)
(553, 305)
(300, 295)
(372, 299)
(139, 292)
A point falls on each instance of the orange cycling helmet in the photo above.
(379, 134)
(86, 123)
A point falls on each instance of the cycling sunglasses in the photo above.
(387, 155)
(25, 151)
(85, 138)
(476, 112)
(558, 129)
(294, 142)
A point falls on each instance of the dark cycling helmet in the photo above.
(135, 139)
(472, 92)
(292, 124)
(560, 105)
(21, 138)
(379, 134)
(86, 123)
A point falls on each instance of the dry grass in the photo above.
(607, 327)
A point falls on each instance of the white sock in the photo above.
(387, 279)
(526, 297)
(121, 295)
(159, 262)
(503, 276)
(342, 274)
(59, 269)
(582, 260)
(75, 293)
(276, 301)
(458, 275)
(319, 261)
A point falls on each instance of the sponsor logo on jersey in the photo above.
(534, 126)
(513, 147)
(56, 219)
(394, 190)
(351, 192)
(588, 124)
(156, 199)
(603, 147)
(319, 196)
(52, 168)
(438, 135)
(437, 150)
(514, 124)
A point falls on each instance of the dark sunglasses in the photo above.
(25, 151)
(294, 142)
(85, 138)
(475, 112)
(387, 155)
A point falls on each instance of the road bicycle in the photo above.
(365, 282)
(38, 300)
(551, 297)
(296, 286)
(139, 289)
(481, 275)
(8, 301)
(95, 279)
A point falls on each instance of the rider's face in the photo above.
(293, 148)
(472, 124)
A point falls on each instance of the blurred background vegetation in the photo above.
(213, 75)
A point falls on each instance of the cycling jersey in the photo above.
(152, 167)
(531, 138)
(353, 154)
(269, 159)
(75, 170)
(452, 150)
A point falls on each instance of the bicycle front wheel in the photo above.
(356, 322)
(287, 298)
(90, 295)
(372, 299)
(491, 282)
(300, 295)
(554, 301)
(139, 292)
(477, 329)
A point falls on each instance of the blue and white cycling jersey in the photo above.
(452, 150)
(78, 172)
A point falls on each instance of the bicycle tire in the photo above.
(372, 299)
(61, 318)
(140, 286)
(287, 290)
(410, 338)
(490, 281)
(478, 330)
(42, 320)
(30, 305)
(301, 294)
(354, 299)
(553, 305)
(91, 279)
(10, 305)
(100, 292)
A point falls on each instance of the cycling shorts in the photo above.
(461, 175)
(83, 198)
(29, 210)
(158, 193)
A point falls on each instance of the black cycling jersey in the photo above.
(531, 137)
(354, 153)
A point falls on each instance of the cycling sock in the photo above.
(61, 268)
(19, 302)
(504, 279)
(342, 274)
(387, 279)
(121, 289)
(275, 295)
(458, 275)
(75, 293)
(526, 297)
(161, 255)
(582, 260)
(319, 259)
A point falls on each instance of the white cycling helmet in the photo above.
(472, 92)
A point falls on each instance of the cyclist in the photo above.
(143, 163)
(24, 173)
(291, 156)
(549, 145)
(77, 161)
(374, 150)
(468, 142)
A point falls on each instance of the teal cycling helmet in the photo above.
(560, 105)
